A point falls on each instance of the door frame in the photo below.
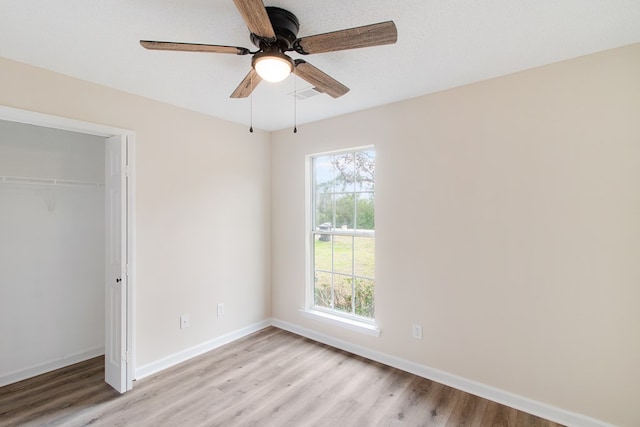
(128, 175)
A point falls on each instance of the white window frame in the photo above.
(327, 315)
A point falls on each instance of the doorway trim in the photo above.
(62, 123)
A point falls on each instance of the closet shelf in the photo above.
(47, 182)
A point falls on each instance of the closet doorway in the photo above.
(117, 148)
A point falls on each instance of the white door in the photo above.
(116, 264)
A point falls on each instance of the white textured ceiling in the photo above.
(441, 44)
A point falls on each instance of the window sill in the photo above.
(353, 325)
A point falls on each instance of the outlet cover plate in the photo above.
(184, 321)
(416, 331)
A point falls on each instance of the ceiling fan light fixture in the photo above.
(272, 66)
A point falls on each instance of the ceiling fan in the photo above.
(274, 31)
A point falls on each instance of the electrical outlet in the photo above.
(417, 331)
(220, 310)
(184, 321)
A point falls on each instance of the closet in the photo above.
(52, 249)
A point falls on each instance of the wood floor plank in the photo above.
(499, 415)
(468, 412)
(322, 382)
(379, 400)
(270, 378)
(275, 386)
(349, 379)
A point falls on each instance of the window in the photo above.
(342, 234)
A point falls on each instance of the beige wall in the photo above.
(508, 224)
(203, 207)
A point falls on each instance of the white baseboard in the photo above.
(174, 359)
(540, 409)
(52, 365)
(503, 397)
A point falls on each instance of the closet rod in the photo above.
(48, 182)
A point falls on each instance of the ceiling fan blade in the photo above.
(322, 81)
(193, 47)
(351, 38)
(255, 16)
(247, 85)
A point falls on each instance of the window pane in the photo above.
(345, 173)
(364, 252)
(365, 218)
(323, 215)
(343, 254)
(364, 291)
(345, 209)
(323, 174)
(343, 232)
(322, 289)
(343, 293)
(322, 252)
(365, 170)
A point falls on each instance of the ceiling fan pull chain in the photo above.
(251, 106)
(295, 102)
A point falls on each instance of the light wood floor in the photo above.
(270, 378)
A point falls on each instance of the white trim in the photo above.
(343, 322)
(309, 243)
(341, 151)
(51, 365)
(132, 259)
(503, 397)
(56, 122)
(184, 355)
(540, 409)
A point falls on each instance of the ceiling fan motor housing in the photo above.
(285, 25)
